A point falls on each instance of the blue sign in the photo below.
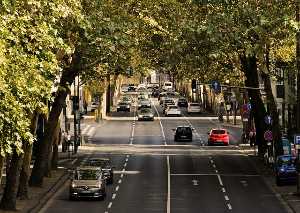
(249, 105)
(216, 85)
(268, 135)
(297, 139)
(245, 114)
(268, 119)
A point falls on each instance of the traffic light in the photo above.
(75, 102)
(194, 86)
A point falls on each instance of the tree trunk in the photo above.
(249, 67)
(9, 199)
(25, 172)
(68, 75)
(2, 163)
(54, 159)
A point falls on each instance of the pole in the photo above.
(74, 109)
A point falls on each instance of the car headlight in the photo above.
(151, 115)
(74, 185)
(140, 116)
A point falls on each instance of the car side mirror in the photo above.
(174, 129)
(113, 167)
(208, 133)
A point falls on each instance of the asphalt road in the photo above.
(155, 174)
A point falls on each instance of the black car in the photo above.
(131, 87)
(183, 132)
(123, 106)
(105, 165)
(182, 102)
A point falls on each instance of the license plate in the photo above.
(219, 141)
(85, 192)
(291, 170)
(146, 117)
(183, 136)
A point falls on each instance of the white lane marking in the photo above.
(229, 206)
(114, 196)
(169, 186)
(223, 190)
(125, 164)
(110, 204)
(217, 171)
(220, 180)
(126, 159)
(117, 188)
(120, 181)
(85, 129)
(122, 175)
(226, 197)
(74, 161)
(92, 130)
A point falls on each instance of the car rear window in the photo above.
(218, 131)
(183, 129)
(194, 105)
(173, 107)
(287, 161)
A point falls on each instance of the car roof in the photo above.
(88, 168)
(104, 159)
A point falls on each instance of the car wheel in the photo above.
(175, 139)
(178, 115)
(188, 112)
(128, 110)
(166, 115)
(191, 139)
(117, 110)
(200, 112)
(152, 119)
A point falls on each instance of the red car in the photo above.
(218, 136)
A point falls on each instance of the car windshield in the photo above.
(287, 161)
(123, 103)
(144, 110)
(183, 129)
(99, 163)
(144, 102)
(87, 175)
(218, 131)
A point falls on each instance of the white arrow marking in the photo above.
(195, 182)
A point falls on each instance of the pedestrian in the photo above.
(85, 105)
(252, 137)
(69, 140)
(63, 141)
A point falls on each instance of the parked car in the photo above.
(218, 136)
(94, 106)
(167, 102)
(106, 166)
(131, 87)
(87, 182)
(183, 132)
(285, 168)
(123, 106)
(194, 108)
(172, 110)
(145, 114)
(182, 102)
(144, 103)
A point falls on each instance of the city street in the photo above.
(153, 173)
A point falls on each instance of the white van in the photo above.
(168, 85)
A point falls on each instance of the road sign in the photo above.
(297, 146)
(245, 108)
(216, 85)
(296, 151)
(245, 114)
(268, 135)
(248, 105)
(268, 119)
(296, 139)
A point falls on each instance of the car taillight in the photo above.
(178, 109)
(199, 108)
(189, 107)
